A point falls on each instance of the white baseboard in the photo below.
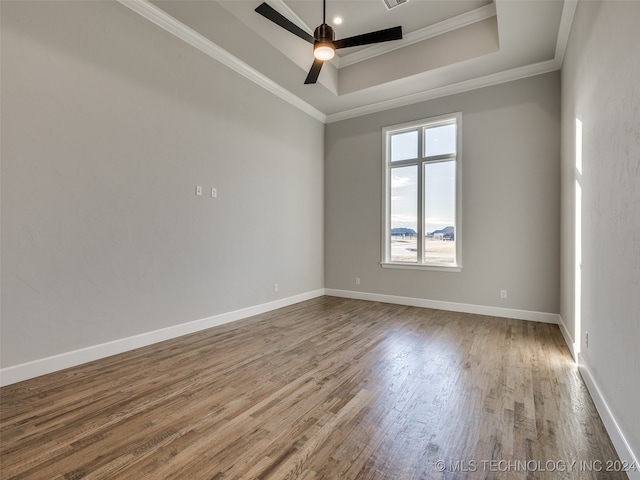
(25, 371)
(568, 339)
(620, 443)
(450, 306)
(54, 363)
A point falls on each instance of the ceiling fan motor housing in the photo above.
(324, 33)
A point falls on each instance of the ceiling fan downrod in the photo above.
(323, 48)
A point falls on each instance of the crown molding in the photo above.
(566, 20)
(445, 26)
(440, 28)
(460, 87)
(157, 16)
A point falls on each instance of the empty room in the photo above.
(320, 239)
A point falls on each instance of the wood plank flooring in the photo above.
(325, 389)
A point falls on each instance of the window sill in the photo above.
(435, 268)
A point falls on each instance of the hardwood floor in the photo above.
(329, 388)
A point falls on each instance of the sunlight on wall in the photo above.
(578, 240)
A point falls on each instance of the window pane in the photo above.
(440, 140)
(439, 212)
(404, 214)
(404, 146)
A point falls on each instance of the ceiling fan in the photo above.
(324, 45)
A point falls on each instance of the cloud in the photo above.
(399, 181)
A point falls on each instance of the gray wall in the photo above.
(600, 86)
(108, 124)
(510, 200)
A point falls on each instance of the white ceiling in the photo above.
(448, 46)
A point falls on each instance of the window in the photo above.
(421, 225)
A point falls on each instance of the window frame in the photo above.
(420, 161)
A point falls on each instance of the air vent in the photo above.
(394, 3)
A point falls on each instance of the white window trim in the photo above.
(386, 189)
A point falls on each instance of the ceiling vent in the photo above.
(394, 3)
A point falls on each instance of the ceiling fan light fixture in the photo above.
(324, 50)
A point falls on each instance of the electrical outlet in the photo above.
(586, 339)
(214, 192)
(357, 280)
(198, 190)
(275, 287)
(503, 294)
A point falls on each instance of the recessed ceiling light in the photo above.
(337, 20)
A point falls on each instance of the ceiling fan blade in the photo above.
(270, 13)
(312, 77)
(394, 33)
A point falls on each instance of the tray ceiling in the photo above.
(447, 46)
